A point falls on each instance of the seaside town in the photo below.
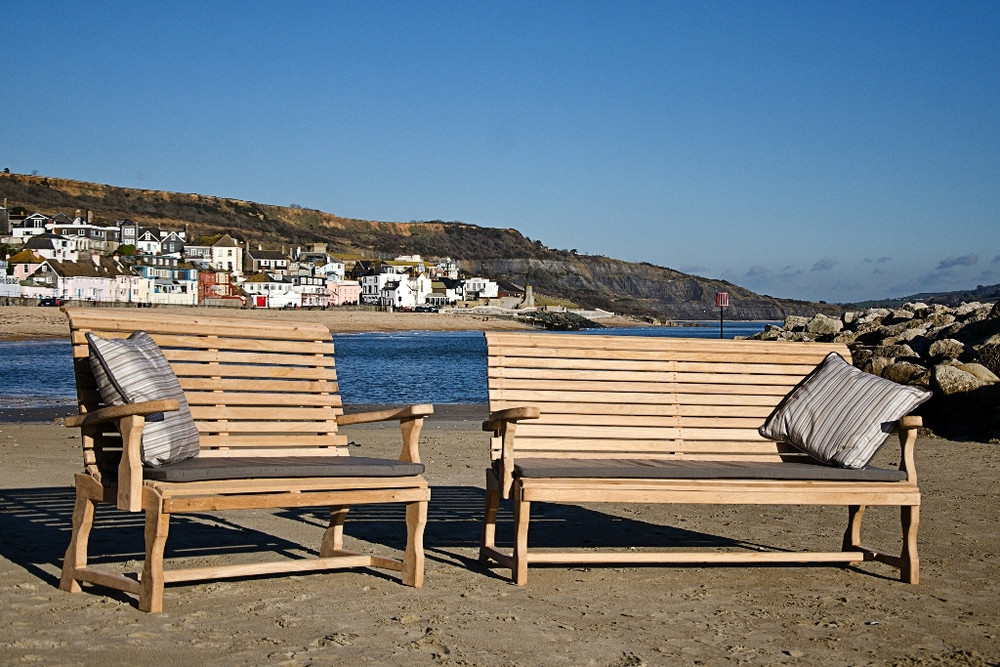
(59, 259)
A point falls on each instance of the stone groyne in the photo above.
(953, 351)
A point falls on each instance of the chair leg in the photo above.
(83, 522)
(413, 558)
(909, 570)
(522, 509)
(333, 538)
(151, 583)
(488, 537)
(852, 536)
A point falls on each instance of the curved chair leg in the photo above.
(413, 558)
(151, 583)
(83, 522)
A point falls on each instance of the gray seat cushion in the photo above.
(670, 469)
(242, 467)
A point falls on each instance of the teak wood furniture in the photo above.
(637, 419)
(262, 393)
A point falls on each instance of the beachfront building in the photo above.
(101, 280)
(166, 280)
(214, 285)
(269, 291)
(222, 253)
(479, 288)
(343, 292)
(9, 284)
(444, 291)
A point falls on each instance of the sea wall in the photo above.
(953, 351)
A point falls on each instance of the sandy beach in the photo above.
(467, 614)
(18, 322)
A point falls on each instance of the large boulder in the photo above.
(907, 372)
(980, 371)
(950, 380)
(948, 348)
(989, 356)
(824, 325)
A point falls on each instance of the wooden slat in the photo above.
(283, 413)
(233, 398)
(211, 439)
(236, 371)
(261, 385)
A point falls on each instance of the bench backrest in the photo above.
(255, 387)
(609, 396)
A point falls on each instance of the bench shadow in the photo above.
(36, 524)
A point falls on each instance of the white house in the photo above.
(96, 280)
(223, 254)
(29, 226)
(268, 291)
(53, 246)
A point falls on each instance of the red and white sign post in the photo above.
(721, 302)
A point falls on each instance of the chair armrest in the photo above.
(907, 429)
(130, 420)
(116, 412)
(411, 420)
(389, 414)
(510, 415)
(503, 424)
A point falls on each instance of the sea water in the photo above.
(404, 367)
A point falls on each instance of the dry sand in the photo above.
(34, 321)
(470, 615)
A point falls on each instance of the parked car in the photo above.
(50, 301)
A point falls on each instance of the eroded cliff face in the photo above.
(638, 288)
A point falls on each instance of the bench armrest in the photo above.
(510, 415)
(410, 418)
(116, 412)
(907, 429)
(130, 419)
(503, 424)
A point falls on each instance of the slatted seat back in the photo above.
(255, 387)
(603, 396)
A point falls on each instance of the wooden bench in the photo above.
(639, 419)
(265, 400)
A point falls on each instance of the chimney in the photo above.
(95, 257)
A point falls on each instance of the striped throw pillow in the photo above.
(133, 370)
(841, 415)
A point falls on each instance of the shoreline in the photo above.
(30, 322)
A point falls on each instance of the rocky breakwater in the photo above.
(953, 351)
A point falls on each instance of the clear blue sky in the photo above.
(832, 151)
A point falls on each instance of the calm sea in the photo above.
(373, 368)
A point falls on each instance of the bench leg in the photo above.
(522, 509)
(489, 534)
(151, 583)
(909, 570)
(852, 536)
(83, 522)
(413, 558)
(333, 538)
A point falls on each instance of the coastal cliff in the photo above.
(586, 281)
